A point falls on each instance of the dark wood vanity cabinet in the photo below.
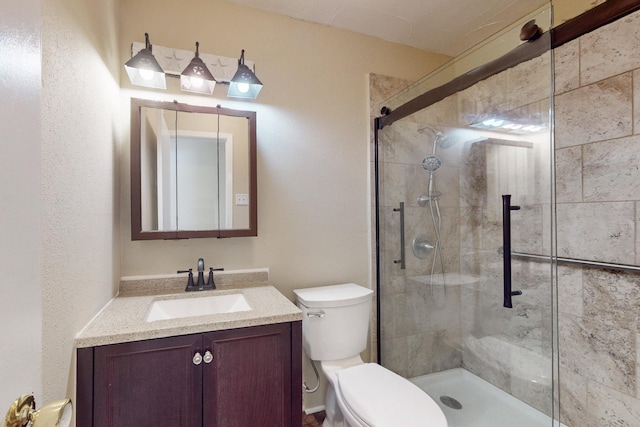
(233, 378)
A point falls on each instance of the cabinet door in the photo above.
(148, 383)
(248, 384)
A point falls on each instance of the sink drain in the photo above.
(450, 402)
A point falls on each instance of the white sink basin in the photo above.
(197, 306)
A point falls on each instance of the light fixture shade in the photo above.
(197, 77)
(244, 83)
(144, 70)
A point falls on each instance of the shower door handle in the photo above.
(401, 261)
(506, 253)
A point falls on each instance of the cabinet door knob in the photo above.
(208, 357)
(197, 358)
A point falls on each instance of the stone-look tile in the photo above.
(531, 375)
(433, 310)
(520, 326)
(442, 113)
(597, 231)
(598, 352)
(636, 101)
(473, 177)
(382, 88)
(471, 227)
(528, 82)
(488, 359)
(567, 67)
(610, 408)
(638, 237)
(397, 181)
(569, 175)
(570, 290)
(610, 50)
(527, 229)
(612, 298)
(409, 143)
(434, 352)
(486, 267)
(534, 280)
(611, 170)
(573, 399)
(395, 356)
(595, 112)
(388, 314)
(485, 98)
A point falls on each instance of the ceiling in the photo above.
(443, 26)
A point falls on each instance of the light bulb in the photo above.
(243, 87)
(146, 74)
(196, 82)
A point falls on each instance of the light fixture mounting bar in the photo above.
(173, 61)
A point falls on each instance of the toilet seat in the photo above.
(380, 398)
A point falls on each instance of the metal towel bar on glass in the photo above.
(582, 262)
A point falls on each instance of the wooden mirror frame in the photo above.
(136, 180)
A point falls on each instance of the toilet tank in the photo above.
(335, 320)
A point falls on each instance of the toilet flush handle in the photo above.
(318, 313)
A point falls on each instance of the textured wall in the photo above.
(20, 257)
(313, 136)
(598, 194)
(80, 122)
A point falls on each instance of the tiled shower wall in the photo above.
(426, 329)
(597, 106)
(597, 136)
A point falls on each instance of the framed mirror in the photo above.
(193, 171)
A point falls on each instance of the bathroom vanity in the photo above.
(227, 369)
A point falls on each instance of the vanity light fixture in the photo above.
(23, 411)
(197, 77)
(144, 70)
(244, 83)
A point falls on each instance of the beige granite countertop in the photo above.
(123, 318)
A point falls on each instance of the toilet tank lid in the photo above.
(333, 295)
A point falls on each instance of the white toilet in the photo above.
(335, 321)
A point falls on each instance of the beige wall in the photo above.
(20, 255)
(313, 129)
(313, 132)
(80, 141)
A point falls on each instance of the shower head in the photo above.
(431, 163)
(440, 139)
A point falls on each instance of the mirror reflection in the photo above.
(193, 169)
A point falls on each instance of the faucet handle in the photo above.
(190, 283)
(210, 283)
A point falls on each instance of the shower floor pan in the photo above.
(483, 404)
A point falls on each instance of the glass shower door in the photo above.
(442, 175)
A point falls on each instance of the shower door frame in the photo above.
(591, 20)
(570, 30)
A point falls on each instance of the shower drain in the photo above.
(450, 402)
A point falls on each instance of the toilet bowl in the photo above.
(335, 323)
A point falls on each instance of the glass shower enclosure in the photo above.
(464, 235)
